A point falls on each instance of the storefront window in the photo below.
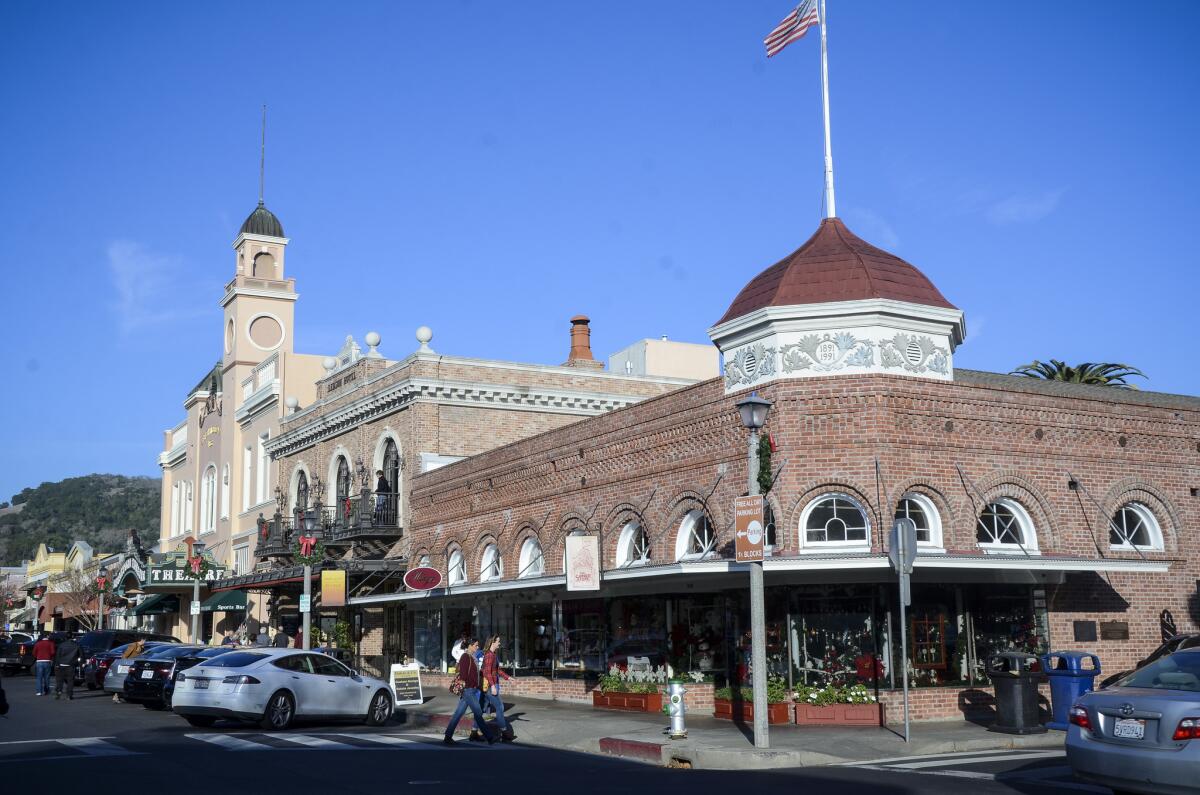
(427, 638)
(460, 622)
(580, 644)
(1002, 619)
(637, 632)
(697, 635)
(835, 637)
(534, 642)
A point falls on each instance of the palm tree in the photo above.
(1101, 373)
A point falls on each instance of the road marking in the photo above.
(948, 756)
(52, 740)
(386, 739)
(95, 746)
(229, 742)
(975, 760)
(310, 741)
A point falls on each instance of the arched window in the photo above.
(423, 561)
(457, 565)
(696, 538)
(344, 483)
(771, 539)
(489, 563)
(1003, 526)
(532, 564)
(1134, 527)
(388, 503)
(264, 266)
(924, 515)
(208, 500)
(835, 520)
(633, 545)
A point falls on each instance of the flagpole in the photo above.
(830, 205)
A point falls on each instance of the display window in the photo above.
(533, 648)
(427, 638)
(637, 632)
(579, 648)
(698, 635)
(835, 637)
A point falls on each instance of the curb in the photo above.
(632, 749)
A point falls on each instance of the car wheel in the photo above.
(203, 721)
(380, 709)
(281, 707)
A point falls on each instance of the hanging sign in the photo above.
(749, 533)
(583, 563)
(422, 578)
(406, 684)
(333, 588)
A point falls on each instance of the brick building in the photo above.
(1048, 514)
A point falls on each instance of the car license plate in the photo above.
(201, 684)
(122, 669)
(1130, 728)
(147, 674)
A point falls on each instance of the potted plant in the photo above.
(837, 706)
(634, 691)
(731, 704)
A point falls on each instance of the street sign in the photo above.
(902, 546)
(305, 603)
(749, 533)
(195, 607)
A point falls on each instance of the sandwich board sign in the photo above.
(406, 684)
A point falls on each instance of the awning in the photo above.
(224, 601)
(22, 615)
(158, 604)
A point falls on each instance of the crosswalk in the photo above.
(83, 747)
(1050, 775)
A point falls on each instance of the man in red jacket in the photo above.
(43, 655)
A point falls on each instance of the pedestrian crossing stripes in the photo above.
(1059, 777)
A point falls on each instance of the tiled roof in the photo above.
(835, 265)
(262, 222)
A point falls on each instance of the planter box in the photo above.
(840, 715)
(776, 713)
(630, 702)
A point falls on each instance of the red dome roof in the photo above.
(835, 265)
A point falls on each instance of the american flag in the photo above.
(793, 27)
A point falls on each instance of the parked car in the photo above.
(101, 640)
(11, 661)
(1143, 733)
(25, 652)
(150, 675)
(273, 687)
(1177, 643)
(96, 667)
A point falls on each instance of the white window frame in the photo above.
(247, 482)
(456, 566)
(532, 562)
(856, 545)
(684, 537)
(935, 542)
(628, 552)
(491, 567)
(176, 525)
(208, 500)
(1153, 530)
(1025, 527)
(264, 469)
(241, 559)
(225, 491)
(423, 561)
(189, 508)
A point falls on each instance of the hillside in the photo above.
(99, 509)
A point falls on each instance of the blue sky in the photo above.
(490, 169)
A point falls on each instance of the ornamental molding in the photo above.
(403, 393)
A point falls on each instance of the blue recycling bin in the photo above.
(1069, 679)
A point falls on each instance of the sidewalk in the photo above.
(718, 744)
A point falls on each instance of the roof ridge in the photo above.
(838, 228)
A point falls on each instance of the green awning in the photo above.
(225, 601)
(157, 605)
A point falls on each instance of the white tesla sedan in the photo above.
(272, 687)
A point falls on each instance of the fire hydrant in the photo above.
(676, 710)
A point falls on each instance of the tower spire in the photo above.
(262, 155)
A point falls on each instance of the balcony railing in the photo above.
(364, 516)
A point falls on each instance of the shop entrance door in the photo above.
(394, 652)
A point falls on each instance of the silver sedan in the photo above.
(272, 687)
(1143, 733)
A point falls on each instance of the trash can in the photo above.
(1015, 676)
(1069, 679)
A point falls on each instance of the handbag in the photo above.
(457, 686)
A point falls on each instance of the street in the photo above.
(93, 739)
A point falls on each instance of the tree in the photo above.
(765, 476)
(1099, 373)
(78, 594)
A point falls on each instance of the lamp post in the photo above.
(101, 580)
(754, 412)
(197, 551)
(312, 533)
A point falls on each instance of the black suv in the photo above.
(101, 640)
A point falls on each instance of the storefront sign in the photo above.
(583, 563)
(406, 684)
(174, 569)
(333, 588)
(422, 578)
(748, 529)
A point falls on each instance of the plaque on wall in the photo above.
(1085, 631)
(1114, 630)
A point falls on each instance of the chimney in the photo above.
(581, 345)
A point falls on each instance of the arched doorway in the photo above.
(387, 502)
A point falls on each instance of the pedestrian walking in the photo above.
(43, 655)
(298, 641)
(468, 674)
(66, 655)
(281, 639)
(135, 649)
(261, 638)
(492, 673)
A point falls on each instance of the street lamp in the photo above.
(753, 411)
(197, 551)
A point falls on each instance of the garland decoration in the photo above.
(308, 550)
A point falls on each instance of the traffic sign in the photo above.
(749, 533)
(902, 546)
(195, 607)
(305, 603)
